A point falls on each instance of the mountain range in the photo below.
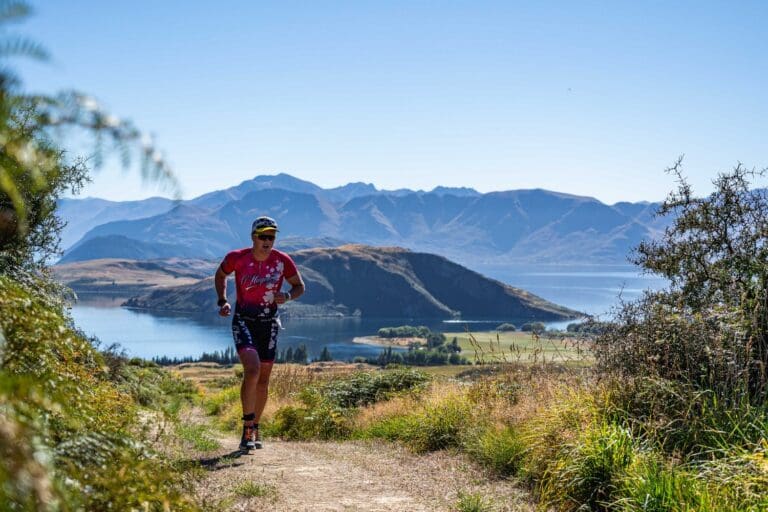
(472, 228)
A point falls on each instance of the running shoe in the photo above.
(247, 441)
(257, 438)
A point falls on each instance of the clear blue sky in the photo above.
(592, 98)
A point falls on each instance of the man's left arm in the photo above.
(296, 291)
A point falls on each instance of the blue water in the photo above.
(593, 290)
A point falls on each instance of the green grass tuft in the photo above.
(473, 502)
(591, 471)
(501, 451)
(255, 490)
(198, 436)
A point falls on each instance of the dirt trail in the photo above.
(348, 476)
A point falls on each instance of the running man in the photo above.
(259, 273)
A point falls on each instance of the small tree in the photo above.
(325, 355)
(301, 355)
(710, 328)
(534, 327)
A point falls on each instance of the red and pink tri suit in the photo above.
(257, 282)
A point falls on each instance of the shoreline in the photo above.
(377, 341)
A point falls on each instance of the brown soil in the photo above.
(348, 476)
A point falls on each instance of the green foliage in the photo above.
(435, 426)
(328, 409)
(215, 404)
(226, 356)
(317, 419)
(66, 438)
(404, 331)
(534, 327)
(325, 355)
(151, 386)
(300, 355)
(653, 339)
(710, 329)
(500, 450)
(364, 388)
(506, 327)
(473, 502)
(653, 485)
(590, 326)
(443, 355)
(115, 472)
(679, 418)
(198, 436)
(255, 490)
(440, 426)
(590, 471)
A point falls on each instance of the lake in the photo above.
(593, 290)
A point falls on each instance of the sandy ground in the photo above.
(348, 476)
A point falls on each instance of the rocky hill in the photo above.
(379, 282)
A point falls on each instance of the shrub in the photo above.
(653, 485)
(506, 327)
(534, 327)
(404, 331)
(679, 418)
(714, 318)
(317, 419)
(591, 470)
(652, 339)
(215, 404)
(432, 426)
(363, 388)
(500, 450)
(62, 410)
(328, 408)
(589, 326)
(441, 425)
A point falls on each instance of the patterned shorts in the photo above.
(256, 334)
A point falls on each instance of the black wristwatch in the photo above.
(221, 302)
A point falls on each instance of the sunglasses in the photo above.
(266, 237)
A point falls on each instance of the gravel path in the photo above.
(347, 476)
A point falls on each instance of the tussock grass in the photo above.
(197, 436)
(501, 450)
(473, 502)
(589, 472)
(255, 490)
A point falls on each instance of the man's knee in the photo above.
(266, 371)
(251, 371)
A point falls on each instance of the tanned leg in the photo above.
(262, 389)
(249, 386)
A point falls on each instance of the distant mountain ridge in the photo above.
(515, 226)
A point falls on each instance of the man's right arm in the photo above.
(220, 283)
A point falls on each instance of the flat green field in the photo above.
(522, 347)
